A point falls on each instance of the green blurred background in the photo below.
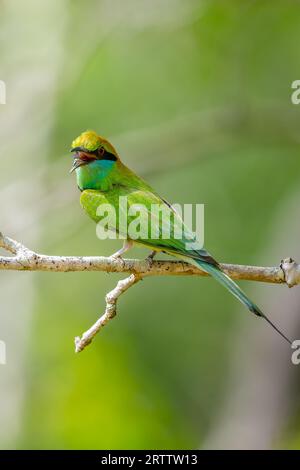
(196, 97)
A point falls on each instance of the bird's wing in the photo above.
(160, 231)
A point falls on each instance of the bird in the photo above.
(103, 178)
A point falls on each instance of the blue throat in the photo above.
(94, 175)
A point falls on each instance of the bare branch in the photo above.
(24, 259)
(27, 260)
(291, 272)
(110, 311)
(13, 246)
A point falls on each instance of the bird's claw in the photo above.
(116, 257)
(150, 258)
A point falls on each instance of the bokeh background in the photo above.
(196, 96)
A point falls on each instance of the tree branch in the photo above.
(23, 259)
(110, 311)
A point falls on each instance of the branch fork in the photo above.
(24, 259)
(110, 311)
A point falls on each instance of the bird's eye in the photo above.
(101, 151)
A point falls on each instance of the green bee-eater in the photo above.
(102, 179)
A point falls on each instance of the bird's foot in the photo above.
(118, 254)
(150, 258)
(116, 257)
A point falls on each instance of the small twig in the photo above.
(110, 311)
(27, 260)
(13, 246)
(291, 271)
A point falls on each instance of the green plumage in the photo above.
(103, 179)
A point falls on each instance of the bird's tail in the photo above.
(227, 282)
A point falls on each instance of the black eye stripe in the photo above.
(105, 155)
(101, 153)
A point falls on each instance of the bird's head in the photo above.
(89, 147)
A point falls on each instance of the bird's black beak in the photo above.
(81, 157)
(77, 163)
(77, 160)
